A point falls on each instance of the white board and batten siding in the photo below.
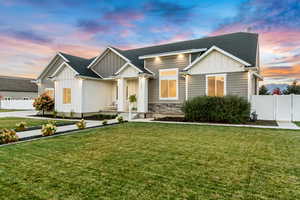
(276, 107)
(216, 62)
(86, 95)
(96, 95)
(66, 79)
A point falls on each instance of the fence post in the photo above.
(275, 106)
(292, 107)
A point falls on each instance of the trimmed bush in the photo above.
(8, 136)
(48, 129)
(81, 124)
(21, 126)
(228, 109)
(120, 119)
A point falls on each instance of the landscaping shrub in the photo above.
(228, 109)
(48, 129)
(44, 103)
(8, 136)
(120, 119)
(81, 124)
(21, 126)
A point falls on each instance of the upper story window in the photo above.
(216, 85)
(168, 84)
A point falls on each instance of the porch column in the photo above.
(121, 94)
(142, 100)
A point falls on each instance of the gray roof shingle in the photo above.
(16, 84)
(241, 44)
(80, 65)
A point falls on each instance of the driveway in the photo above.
(24, 113)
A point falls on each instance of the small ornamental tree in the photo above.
(292, 89)
(277, 91)
(263, 90)
(44, 103)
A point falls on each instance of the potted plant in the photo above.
(132, 100)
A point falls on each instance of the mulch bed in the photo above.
(182, 119)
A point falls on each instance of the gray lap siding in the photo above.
(236, 84)
(167, 62)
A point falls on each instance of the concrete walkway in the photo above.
(24, 113)
(89, 124)
(287, 125)
(150, 120)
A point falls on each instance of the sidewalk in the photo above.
(281, 125)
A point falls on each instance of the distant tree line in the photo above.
(294, 88)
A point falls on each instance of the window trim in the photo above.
(177, 83)
(210, 75)
(63, 96)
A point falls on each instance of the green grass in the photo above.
(10, 122)
(155, 161)
(297, 123)
(7, 110)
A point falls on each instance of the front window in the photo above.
(215, 85)
(168, 84)
(67, 95)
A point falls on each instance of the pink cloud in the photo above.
(124, 18)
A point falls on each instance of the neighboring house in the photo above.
(162, 76)
(12, 88)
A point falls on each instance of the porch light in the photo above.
(180, 55)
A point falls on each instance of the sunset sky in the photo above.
(32, 31)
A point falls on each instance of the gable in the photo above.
(216, 62)
(109, 64)
(65, 73)
(51, 68)
(129, 71)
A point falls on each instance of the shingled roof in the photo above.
(16, 84)
(241, 44)
(80, 65)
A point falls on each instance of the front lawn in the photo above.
(7, 110)
(10, 122)
(155, 161)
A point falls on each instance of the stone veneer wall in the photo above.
(165, 108)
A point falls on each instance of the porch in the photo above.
(123, 88)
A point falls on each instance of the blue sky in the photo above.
(32, 31)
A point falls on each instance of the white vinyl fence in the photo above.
(16, 104)
(276, 107)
